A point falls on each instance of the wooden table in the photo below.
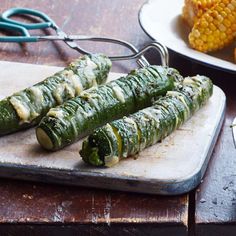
(39, 209)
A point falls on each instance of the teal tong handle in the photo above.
(48, 22)
(24, 34)
(21, 27)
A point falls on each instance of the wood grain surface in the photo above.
(216, 197)
(214, 200)
(36, 209)
(30, 204)
(118, 19)
(31, 209)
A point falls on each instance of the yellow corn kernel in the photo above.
(193, 9)
(220, 29)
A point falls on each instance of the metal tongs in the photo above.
(23, 29)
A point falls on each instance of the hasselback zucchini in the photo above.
(121, 138)
(80, 116)
(26, 108)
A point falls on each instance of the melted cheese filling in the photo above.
(119, 93)
(89, 72)
(69, 90)
(111, 161)
(75, 81)
(37, 94)
(22, 111)
(149, 114)
(57, 113)
(77, 84)
(180, 97)
(187, 81)
(91, 64)
(63, 91)
(57, 93)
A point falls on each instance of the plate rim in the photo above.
(140, 19)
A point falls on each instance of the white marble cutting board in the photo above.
(174, 166)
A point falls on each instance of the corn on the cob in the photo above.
(194, 9)
(216, 28)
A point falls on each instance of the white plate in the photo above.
(161, 20)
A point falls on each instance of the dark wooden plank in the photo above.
(40, 209)
(29, 204)
(91, 230)
(105, 18)
(216, 196)
(82, 205)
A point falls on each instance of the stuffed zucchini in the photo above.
(121, 138)
(26, 108)
(78, 117)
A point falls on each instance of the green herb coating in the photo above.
(78, 117)
(125, 137)
(27, 107)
